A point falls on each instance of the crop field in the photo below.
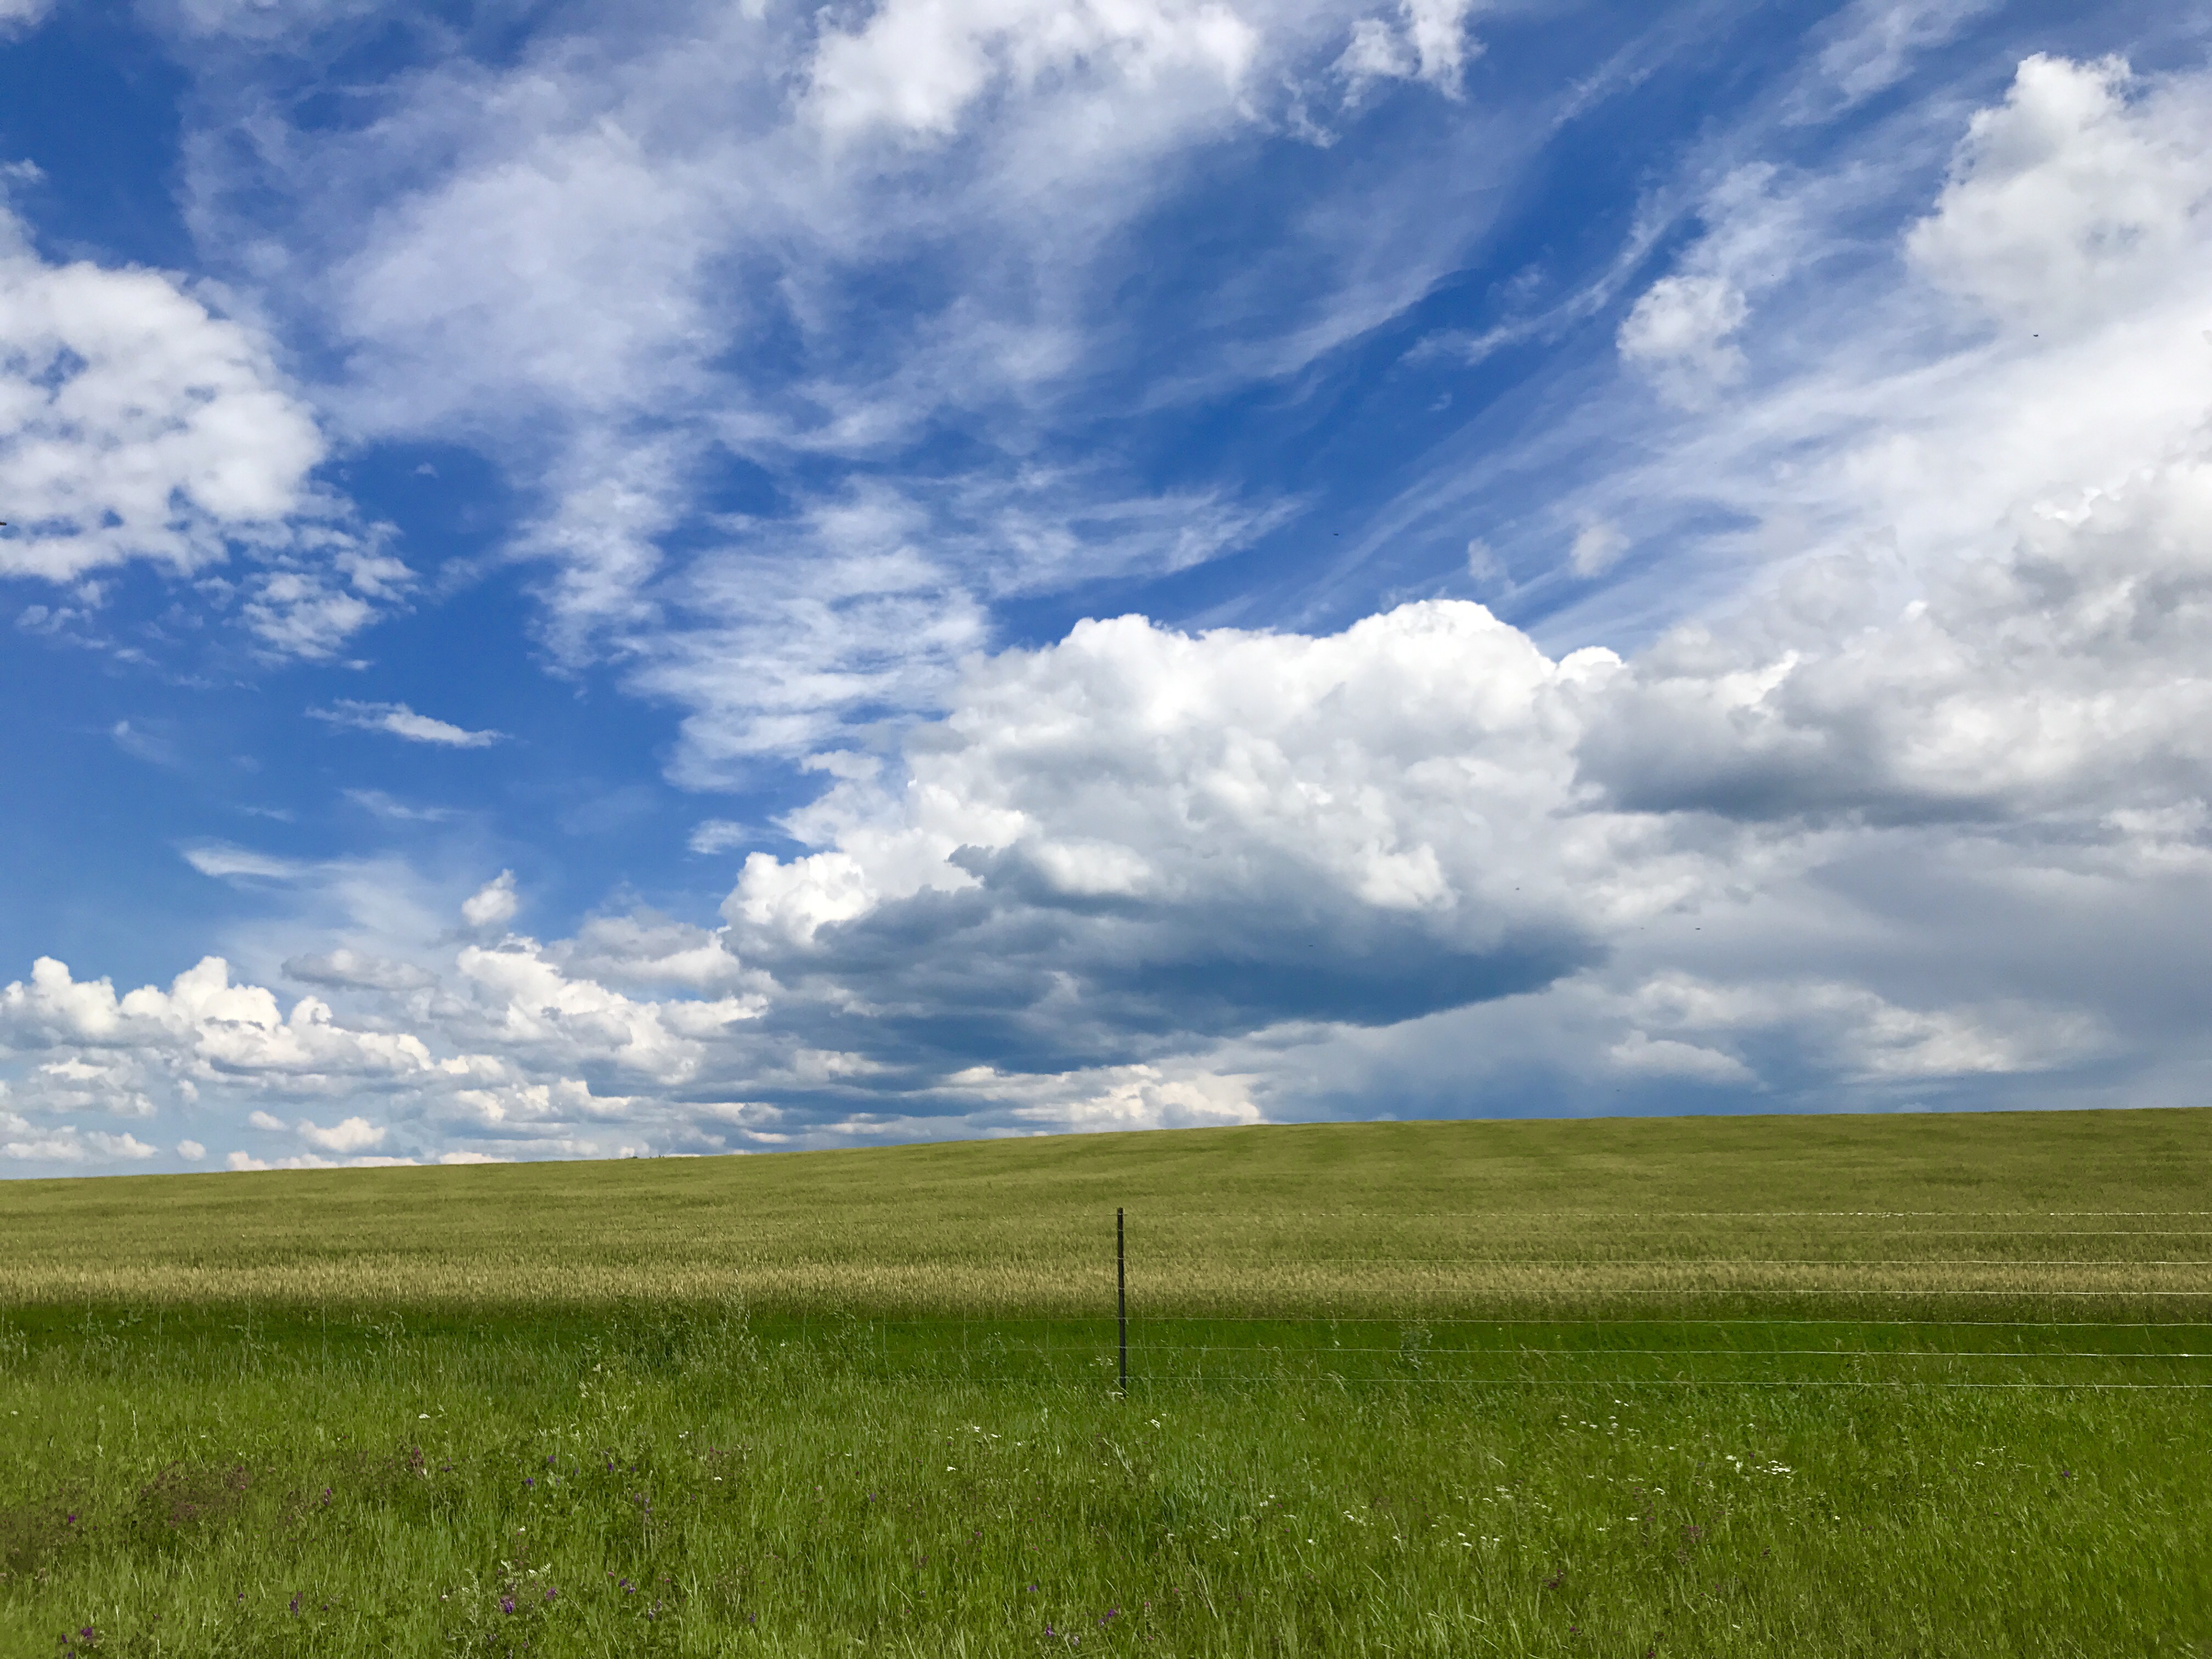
(1912, 1385)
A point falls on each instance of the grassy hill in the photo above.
(1320, 1219)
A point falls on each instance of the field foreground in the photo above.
(1810, 1386)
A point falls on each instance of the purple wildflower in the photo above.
(506, 1604)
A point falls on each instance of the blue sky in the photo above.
(685, 578)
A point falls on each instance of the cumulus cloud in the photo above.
(136, 424)
(1665, 1057)
(355, 1135)
(494, 904)
(2069, 202)
(67, 1144)
(2062, 677)
(203, 1027)
(397, 720)
(133, 424)
(1138, 835)
(116, 1084)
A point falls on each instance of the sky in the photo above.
(592, 581)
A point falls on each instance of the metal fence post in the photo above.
(1122, 1297)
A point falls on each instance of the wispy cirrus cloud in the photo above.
(397, 720)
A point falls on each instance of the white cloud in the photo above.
(916, 66)
(350, 970)
(529, 1003)
(2068, 204)
(244, 1162)
(1874, 41)
(265, 1121)
(1143, 829)
(133, 422)
(1595, 549)
(355, 1135)
(225, 862)
(1681, 331)
(1665, 1057)
(637, 950)
(397, 720)
(1864, 1035)
(1428, 43)
(494, 904)
(718, 836)
(311, 612)
(385, 807)
(136, 424)
(192, 1150)
(203, 1029)
(66, 1144)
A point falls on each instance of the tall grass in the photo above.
(719, 1489)
(1851, 1387)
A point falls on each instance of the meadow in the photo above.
(1912, 1385)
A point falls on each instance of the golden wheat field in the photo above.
(2110, 1210)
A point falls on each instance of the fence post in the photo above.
(1122, 1297)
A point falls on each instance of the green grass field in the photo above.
(1924, 1385)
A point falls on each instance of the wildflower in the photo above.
(506, 1604)
(295, 1605)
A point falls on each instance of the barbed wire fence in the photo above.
(1758, 1337)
